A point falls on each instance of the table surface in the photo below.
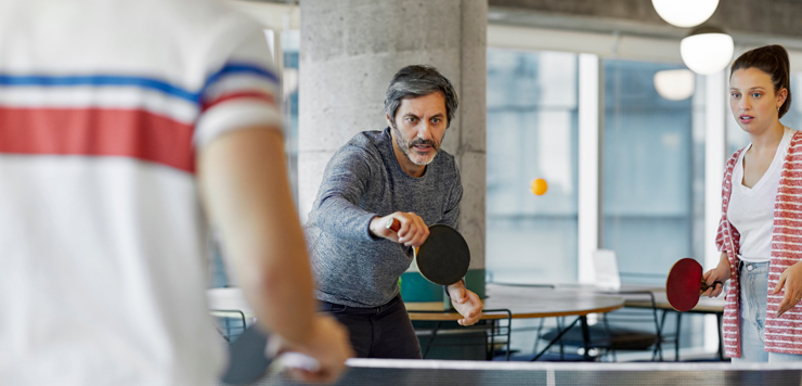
(705, 305)
(464, 373)
(527, 302)
(636, 295)
(522, 301)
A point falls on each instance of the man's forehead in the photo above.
(424, 103)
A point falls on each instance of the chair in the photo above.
(483, 340)
(232, 314)
(605, 269)
(230, 323)
(617, 329)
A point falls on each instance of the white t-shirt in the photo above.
(103, 105)
(751, 210)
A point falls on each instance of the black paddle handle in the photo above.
(705, 287)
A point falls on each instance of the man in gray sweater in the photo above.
(399, 172)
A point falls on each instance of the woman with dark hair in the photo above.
(760, 233)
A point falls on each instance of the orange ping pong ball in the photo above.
(539, 186)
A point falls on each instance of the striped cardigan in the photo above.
(783, 334)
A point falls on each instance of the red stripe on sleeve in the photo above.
(245, 94)
(98, 132)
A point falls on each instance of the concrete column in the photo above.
(350, 50)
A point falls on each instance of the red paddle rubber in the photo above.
(685, 284)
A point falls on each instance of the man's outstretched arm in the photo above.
(244, 186)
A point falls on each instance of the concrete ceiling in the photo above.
(750, 22)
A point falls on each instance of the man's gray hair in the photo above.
(417, 81)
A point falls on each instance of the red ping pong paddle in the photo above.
(685, 284)
(444, 257)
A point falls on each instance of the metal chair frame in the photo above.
(493, 327)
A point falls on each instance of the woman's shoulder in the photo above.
(794, 141)
(796, 135)
(734, 157)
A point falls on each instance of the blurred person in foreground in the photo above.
(124, 126)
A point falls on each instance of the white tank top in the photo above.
(751, 210)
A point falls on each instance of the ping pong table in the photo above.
(476, 373)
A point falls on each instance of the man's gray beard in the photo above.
(406, 149)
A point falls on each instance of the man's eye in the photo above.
(756, 95)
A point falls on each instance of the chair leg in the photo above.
(539, 331)
(430, 342)
(720, 338)
(676, 343)
(559, 336)
(611, 348)
(492, 348)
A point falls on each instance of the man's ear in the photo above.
(389, 121)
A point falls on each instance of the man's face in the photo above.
(419, 126)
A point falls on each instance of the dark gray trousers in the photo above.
(378, 332)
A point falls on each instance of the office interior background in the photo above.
(656, 200)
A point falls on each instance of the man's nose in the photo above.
(425, 130)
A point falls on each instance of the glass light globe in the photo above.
(675, 85)
(707, 53)
(685, 13)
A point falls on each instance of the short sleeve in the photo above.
(241, 91)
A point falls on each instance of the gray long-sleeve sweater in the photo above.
(363, 180)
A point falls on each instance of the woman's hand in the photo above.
(791, 279)
(719, 274)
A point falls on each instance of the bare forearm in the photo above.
(272, 268)
(246, 192)
(724, 260)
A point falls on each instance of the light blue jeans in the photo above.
(752, 315)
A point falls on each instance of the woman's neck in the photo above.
(769, 139)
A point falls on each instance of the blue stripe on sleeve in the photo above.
(98, 80)
(135, 81)
(241, 68)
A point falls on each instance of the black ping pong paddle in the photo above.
(685, 284)
(248, 362)
(444, 257)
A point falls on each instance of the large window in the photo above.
(652, 196)
(531, 133)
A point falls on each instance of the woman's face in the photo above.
(753, 101)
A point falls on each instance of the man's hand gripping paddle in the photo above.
(444, 257)
(685, 284)
(251, 358)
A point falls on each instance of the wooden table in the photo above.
(526, 302)
(529, 302)
(705, 306)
